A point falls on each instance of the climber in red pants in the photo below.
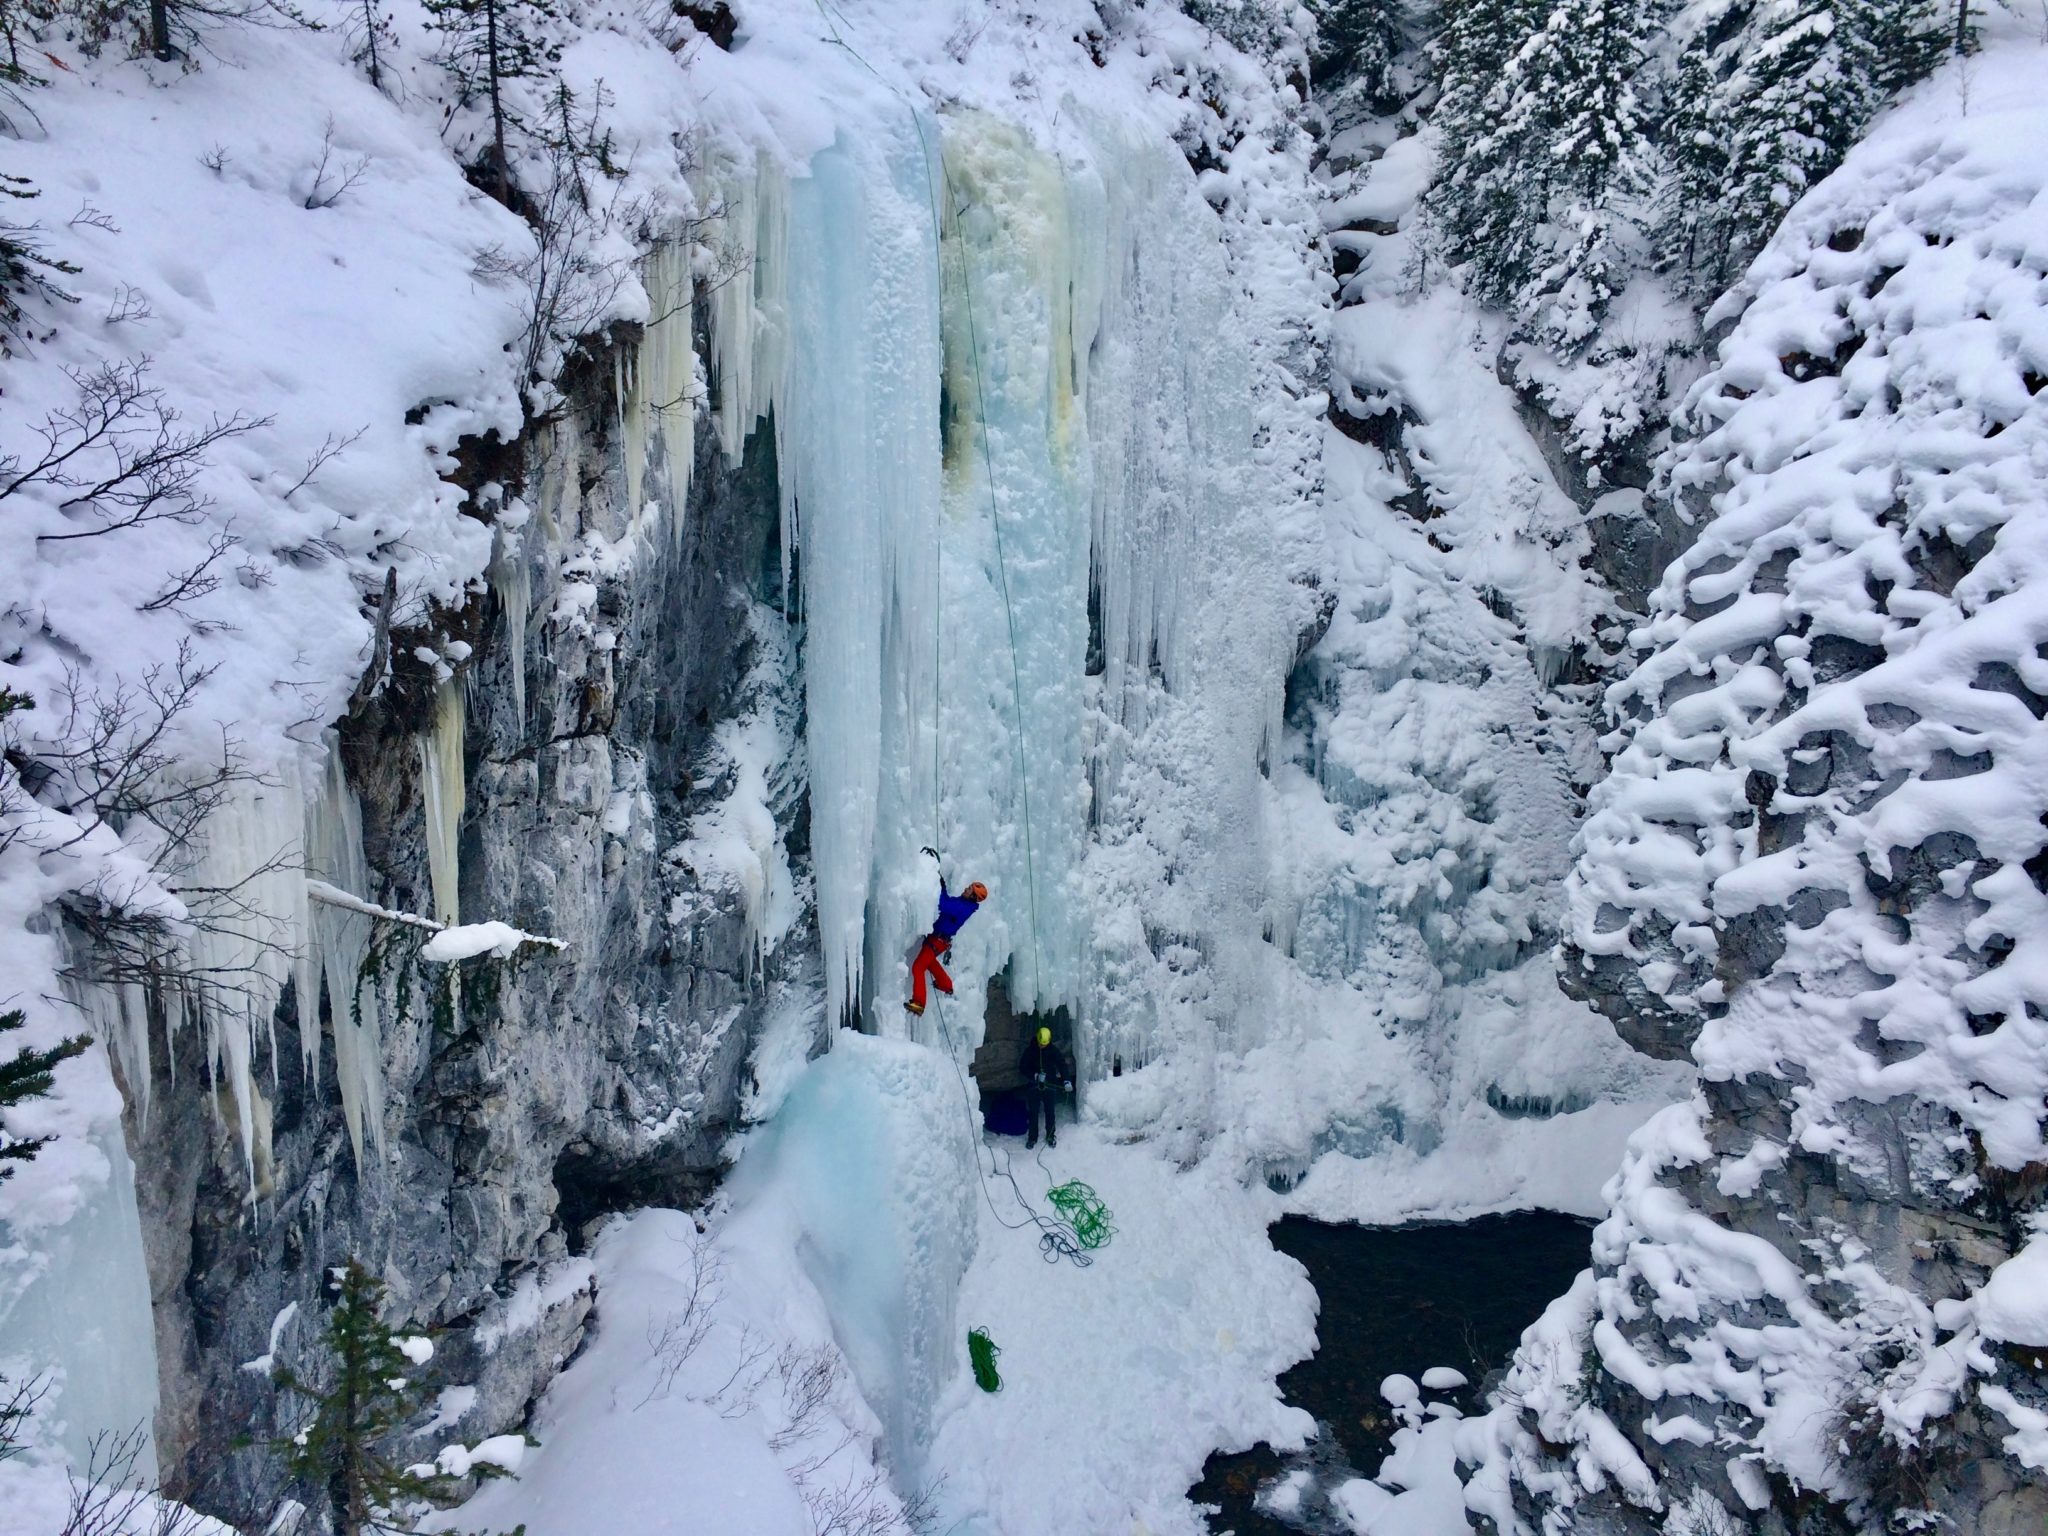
(953, 912)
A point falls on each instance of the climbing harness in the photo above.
(1082, 1224)
(982, 1351)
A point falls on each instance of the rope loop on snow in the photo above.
(982, 1351)
(1082, 1209)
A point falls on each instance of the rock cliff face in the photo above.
(559, 1087)
(1815, 870)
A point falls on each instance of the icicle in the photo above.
(444, 793)
(338, 947)
(749, 331)
(857, 425)
(245, 889)
(511, 577)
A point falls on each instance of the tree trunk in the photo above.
(370, 43)
(1962, 26)
(497, 105)
(160, 30)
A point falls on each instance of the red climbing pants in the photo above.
(927, 964)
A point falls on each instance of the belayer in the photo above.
(953, 913)
(1046, 1072)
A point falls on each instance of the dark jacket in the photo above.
(1049, 1060)
(953, 911)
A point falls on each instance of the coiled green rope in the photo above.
(1082, 1209)
(981, 1349)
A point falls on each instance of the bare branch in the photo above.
(196, 582)
(331, 179)
(130, 304)
(330, 449)
(118, 456)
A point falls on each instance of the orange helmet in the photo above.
(977, 892)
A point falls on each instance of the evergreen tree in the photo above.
(487, 43)
(1476, 206)
(26, 269)
(366, 1397)
(1545, 152)
(370, 38)
(1591, 161)
(1768, 98)
(28, 1074)
(1694, 231)
(1353, 58)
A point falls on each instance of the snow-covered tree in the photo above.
(1545, 155)
(1352, 62)
(1476, 205)
(487, 43)
(1767, 98)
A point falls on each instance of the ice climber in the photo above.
(953, 912)
(1046, 1072)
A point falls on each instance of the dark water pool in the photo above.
(1396, 1299)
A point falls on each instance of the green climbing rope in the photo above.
(1082, 1209)
(981, 1349)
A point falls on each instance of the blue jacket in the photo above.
(953, 911)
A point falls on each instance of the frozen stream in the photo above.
(1393, 1300)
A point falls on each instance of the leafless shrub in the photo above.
(114, 760)
(570, 280)
(675, 1338)
(864, 1506)
(91, 217)
(194, 582)
(216, 159)
(735, 1397)
(810, 1377)
(18, 1400)
(332, 178)
(331, 448)
(107, 1500)
(118, 457)
(129, 305)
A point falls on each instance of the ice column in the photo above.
(247, 899)
(659, 405)
(83, 1315)
(857, 423)
(444, 791)
(1012, 643)
(745, 297)
(338, 943)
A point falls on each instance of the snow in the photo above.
(535, 1296)
(1022, 362)
(2012, 1305)
(469, 940)
(265, 1362)
(1830, 725)
(846, 1235)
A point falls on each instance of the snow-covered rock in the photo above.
(1814, 871)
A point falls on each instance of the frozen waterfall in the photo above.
(1010, 394)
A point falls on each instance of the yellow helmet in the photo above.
(1044, 1035)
